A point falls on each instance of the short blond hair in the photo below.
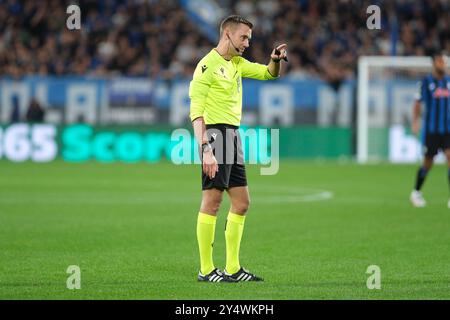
(234, 20)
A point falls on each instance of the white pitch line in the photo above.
(320, 196)
(278, 195)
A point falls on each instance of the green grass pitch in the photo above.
(311, 232)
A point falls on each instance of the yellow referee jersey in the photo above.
(216, 87)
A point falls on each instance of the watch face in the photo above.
(206, 147)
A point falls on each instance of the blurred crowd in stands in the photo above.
(158, 39)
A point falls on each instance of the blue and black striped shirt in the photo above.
(435, 94)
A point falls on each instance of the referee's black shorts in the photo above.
(227, 148)
(435, 142)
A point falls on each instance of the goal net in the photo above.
(387, 88)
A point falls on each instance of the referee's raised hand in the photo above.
(279, 53)
(210, 166)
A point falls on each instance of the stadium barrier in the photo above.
(82, 142)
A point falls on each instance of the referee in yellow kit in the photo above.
(216, 106)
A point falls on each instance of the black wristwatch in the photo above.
(206, 147)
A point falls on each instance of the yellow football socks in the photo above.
(233, 236)
(206, 226)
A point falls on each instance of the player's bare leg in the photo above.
(211, 200)
(428, 162)
(240, 200)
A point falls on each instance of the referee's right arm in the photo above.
(209, 162)
(198, 92)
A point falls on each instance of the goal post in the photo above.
(385, 95)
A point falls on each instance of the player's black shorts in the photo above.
(227, 148)
(435, 142)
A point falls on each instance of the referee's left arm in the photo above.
(264, 72)
(274, 65)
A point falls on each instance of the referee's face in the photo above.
(241, 37)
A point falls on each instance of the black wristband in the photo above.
(277, 52)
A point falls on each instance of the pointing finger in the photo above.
(282, 46)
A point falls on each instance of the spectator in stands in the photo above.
(148, 38)
(35, 112)
(15, 112)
